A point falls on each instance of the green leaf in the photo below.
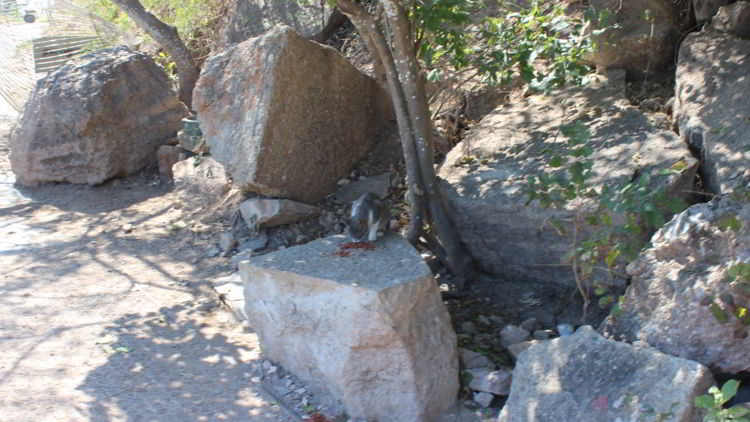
(612, 257)
(605, 301)
(738, 411)
(704, 402)
(556, 161)
(576, 173)
(729, 389)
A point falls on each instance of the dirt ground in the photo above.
(106, 313)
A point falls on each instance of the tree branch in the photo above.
(168, 38)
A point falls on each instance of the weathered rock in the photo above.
(706, 9)
(200, 182)
(711, 114)
(483, 399)
(486, 191)
(633, 42)
(282, 132)
(101, 117)
(250, 18)
(495, 382)
(265, 212)
(367, 325)
(511, 334)
(681, 282)
(470, 359)
(166, 157)
(587, 378)
(733, 19)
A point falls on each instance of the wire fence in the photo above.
(37, 37)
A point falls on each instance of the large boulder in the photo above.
(484, 177)
(639, 36)
(287, 117)
(363, 321)
(250, 18)
(681, 299)
(100, 117)
(587, 378)
(711, 106)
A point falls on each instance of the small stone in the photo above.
(531, 324)
(512, 335)
(471, 359)
(127, 228)
(468, 327)
(483, 399)
(541, 335)
(255, 244)
(212, 252)
(282, 390)
(495, 382)
(227, 242)
(497, 320)
(483, 320)
(565, 330)
(343, 182)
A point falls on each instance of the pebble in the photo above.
(483, 399)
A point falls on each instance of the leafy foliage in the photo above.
(540, 42)
(611, 222)
(196, 20)
(715, 400)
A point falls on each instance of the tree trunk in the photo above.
(168, 38)
(415, 130)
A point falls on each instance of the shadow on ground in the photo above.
(174, 365)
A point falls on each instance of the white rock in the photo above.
(369, 326)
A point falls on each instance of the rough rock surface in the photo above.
(250, 18)
(632, 45)
(282, 132)
(485, 194)
(367, 325)
(706, 9)
(711, 80)
(265, 212)
(101, 117)
(587, 378)
(200, 182)
(681, 282)
(733, 19)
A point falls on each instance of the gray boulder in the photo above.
(706, 9)
(712, 117)
(366, 324)
(265, 212)
(587, 378)
(634, 43)
(733, 19)
(681, 300)
(287, 117)
(101, 117)
(250, 18)
(484, 176)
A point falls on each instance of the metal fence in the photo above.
(58, 32)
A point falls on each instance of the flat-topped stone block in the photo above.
(363, 321)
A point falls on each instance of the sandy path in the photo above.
(99, 323)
